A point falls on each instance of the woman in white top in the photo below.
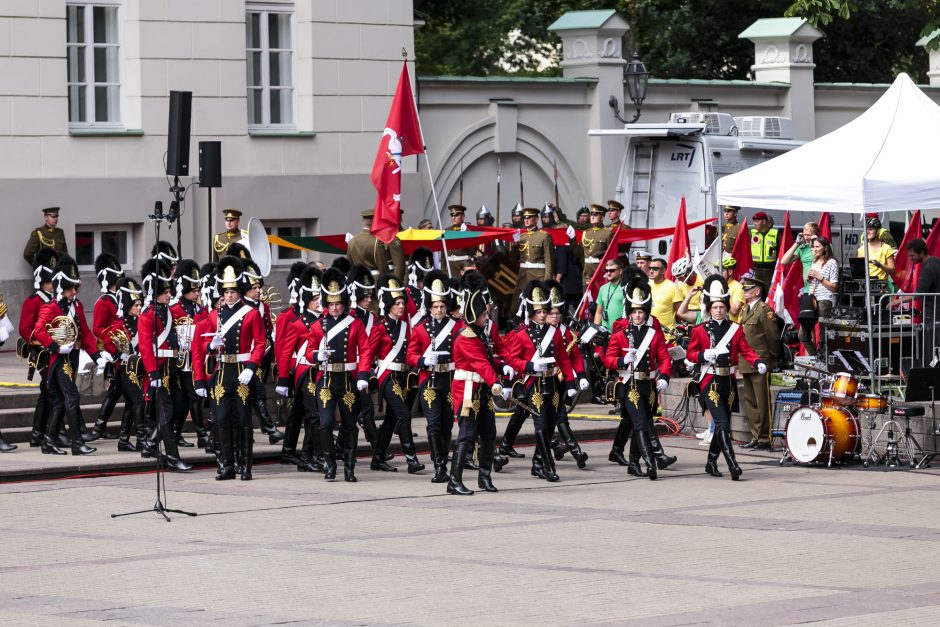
(822, 281)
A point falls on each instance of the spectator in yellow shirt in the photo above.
(666, 297)
(880, 255)
(736, 290)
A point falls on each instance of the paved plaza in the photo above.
(783, 546)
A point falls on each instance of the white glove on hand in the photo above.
(507, 392)
(761, 368)
(202, 392)
(508, 372)
(323, 356)
(65, 349)
(539, 367)
(710, 355)
(572, 393)
(245, 377)
(216, 342)
(630, 357)
(281, 389)
(4, 334)
(430, 360)
(570, 232)
(661, 384)
(362, 386)
(156, 383)
(101, 362)
(106, 357)
(583, 384)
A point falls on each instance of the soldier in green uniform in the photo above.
(763, 335)
(456, 257)
(47, 236)
(230, 235)
(594, 242)
(366, 250)
(534, 251)
(729, 230)
(615, 215)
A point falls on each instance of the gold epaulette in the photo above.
(466, 332)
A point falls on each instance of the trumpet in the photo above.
(185, 329)
(63, 330)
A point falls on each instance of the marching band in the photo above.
(397, 339)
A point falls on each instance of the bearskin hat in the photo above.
(44, 262)
(188, 277)
(252, 275)
(156, 277)
(308, 284)
(455, 295)
(165, 251)
(637, 295)
(238, 250)
(207, 292)
(129, 291)
(343, 264)
(436, 287)
(360, 281)
(293, 275)
(421, 263)
(333, 288)
(108, 270)
(65, 275)
(475, 295)
(556, 294)
(390, 289)
(229, 273)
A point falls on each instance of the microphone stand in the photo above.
(157, 217)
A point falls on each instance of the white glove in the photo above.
(570, 232)
(572, 393)
(216, 342)
(761, 368)
(710, 355)
(507, 392)
(362, 386)
(538, 366)
(125, 356)
(508, 372)
(661, 384)
(430, 360)
(463, 226)
(105, 357)
(4, 334)
(65, 349)
(101, 362)
(323, 356)
(630, 357)
(156, 383)
(245, 376)
(281, 389)
(583, 384)
(202, 392)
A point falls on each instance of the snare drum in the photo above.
(844, 389)
(872, 403)
(812, 433)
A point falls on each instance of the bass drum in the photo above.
(821, 434)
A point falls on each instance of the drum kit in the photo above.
(829, 432)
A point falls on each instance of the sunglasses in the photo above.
(656, 268)
(609, 270)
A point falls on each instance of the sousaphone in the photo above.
(256, 241)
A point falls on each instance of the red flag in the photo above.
(742, 252)
(402, 137)
(825, 229)
(775, 289)
(904, 270)
(680, 241)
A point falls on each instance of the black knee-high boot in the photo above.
(127, 423)
(633, 464)
(512, 432)
(663, 461)
(226, 453)
(248, 451)
(571, 443)
(381, 439)
(172, 458)
(349, 456)
(408, 447)
(268, 424)
(487, 453)
(50, 442)
(308, 460)
(329, 459)
(40, 421)
(292, 434)
(724, 437)
(6, 447)
(75, 431)
(624, 429)
(545, 456)
(455, 483)
(100, 429)
(642, 438)
(438, 457)
(714, 450)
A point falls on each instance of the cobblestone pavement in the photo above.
(783, 546)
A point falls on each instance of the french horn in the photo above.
(63, 330)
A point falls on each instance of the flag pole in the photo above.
(427, 162)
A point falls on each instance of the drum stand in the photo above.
(905, 446)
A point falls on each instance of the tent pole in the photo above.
(871, 342)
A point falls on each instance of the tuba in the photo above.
(63, 330)
(185, 329)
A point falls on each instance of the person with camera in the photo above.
(880, 254)
(819, 295)
(802, 248)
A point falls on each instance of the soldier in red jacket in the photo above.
(36, 356)
(338, 343)
(475, 383)
(362, 296)
(715, 345)
(637, 351)
(159, 350)
(389, 343)
(57, 321)
(108, 270)
(539, 352)
(568, 442)
(187, 313)
(297, 374)
(238, 340)
(128, 369)
(430, 352)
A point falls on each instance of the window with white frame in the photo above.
(92, 240)
(270, 58)
(282, 255)
(93, 50)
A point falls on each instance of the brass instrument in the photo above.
(271, 297)
(3, 306)
(185, 330)
(120, 340)
(63, 330)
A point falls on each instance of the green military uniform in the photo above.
(594, 243)
(534, 251)
(623, 250)
(729, 231)
(761, 332)
(365, 249)
(45, 237)
(457, 256)
(221, 241)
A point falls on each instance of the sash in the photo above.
(231, 322)
(722, 344)
(642, 348)
(167, 327)
(547, 340)
(440, 337)
(418, 317)
(384, 363)
(341, 326)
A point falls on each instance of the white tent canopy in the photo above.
(884, 160)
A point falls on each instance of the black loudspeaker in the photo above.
(177, 141)
(210, 164)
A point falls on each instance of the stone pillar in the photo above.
(592, 47)
(783, 53)
(933, 57)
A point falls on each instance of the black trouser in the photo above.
(435, 404)
(637, 402)
(62, 382)
(807, 329)
(43, 408)
(397, 415)
(337, 391)
(134, 397)
(482, 422)
(194, 403)
(231, 413)
(718, 397)
(544, 396)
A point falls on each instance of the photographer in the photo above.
(802, 248)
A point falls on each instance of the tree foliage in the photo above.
(866, 40)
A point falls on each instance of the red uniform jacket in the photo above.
(470, 355)
(188, 309)
(290, 342)
(150, 327)
(655, 358)
(383, 339)
(29, 314)
(247, 336)
(369, 320)
(701, 339)
(54, 309)
(421, 339)
(524, 350)
(412, 296)
(502, 345)
(103, 317)
(576, 357)
(349, 346)
(128, 325)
